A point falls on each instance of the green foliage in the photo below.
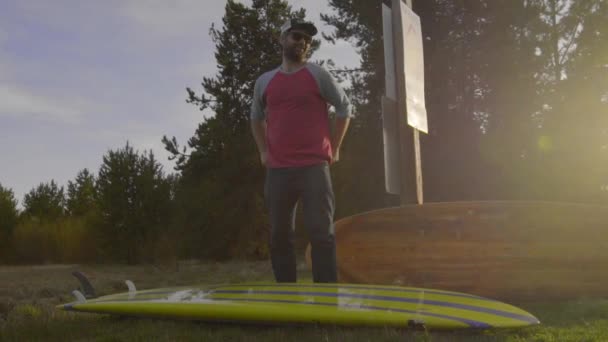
(8, 220)
(134, 204)
(575, 123)
(66, 240)
(122, 216)
(544, 127)
(81, 194)
(46, 202)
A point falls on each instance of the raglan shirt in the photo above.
(295, 107)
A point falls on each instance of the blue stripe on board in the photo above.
(469, 322)
(364, 287)
(337, 286)
(524, 318)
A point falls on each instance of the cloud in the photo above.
(64, 15)
(342, 53)
(143, 137)
(171, 19)
(18, 103)
(3, 37)
(4, 66)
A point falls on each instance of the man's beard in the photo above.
(292, 54)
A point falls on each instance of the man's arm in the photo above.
(339, 133)
(334, 95)
(258, 128)
(257, 119)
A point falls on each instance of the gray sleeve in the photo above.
(331, 91)
(258, 104)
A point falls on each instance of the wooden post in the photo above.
(410, 160)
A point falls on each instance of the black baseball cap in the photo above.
(299, 24)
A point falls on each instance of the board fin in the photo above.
(79, 296)
(85, 284)
(132, 288)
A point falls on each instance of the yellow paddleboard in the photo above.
(302, 303)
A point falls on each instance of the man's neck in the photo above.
(291, 66)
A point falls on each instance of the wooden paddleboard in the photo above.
(301, 303)
(504, 250)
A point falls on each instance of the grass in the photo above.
(28, 295)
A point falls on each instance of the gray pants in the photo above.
(311, 186)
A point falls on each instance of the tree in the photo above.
(134, 202)
(574, 126)
(220, 196)
(46, 202)
(8, 220)
(541, 141)
(81, 194)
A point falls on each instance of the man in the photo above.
(290, 124)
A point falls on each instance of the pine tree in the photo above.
(134, 203)
(8, 220)
(81, 194)
(46, 202)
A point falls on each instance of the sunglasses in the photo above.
(297, 36)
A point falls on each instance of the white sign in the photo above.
(414, 69)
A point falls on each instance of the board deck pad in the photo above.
(314, 303)
(515, 251)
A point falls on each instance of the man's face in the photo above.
(296, 45)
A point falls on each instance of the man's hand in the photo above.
(264, 158)
(258, 128)
(335, 155)
(338, 136)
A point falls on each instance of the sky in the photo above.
(79, 78)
